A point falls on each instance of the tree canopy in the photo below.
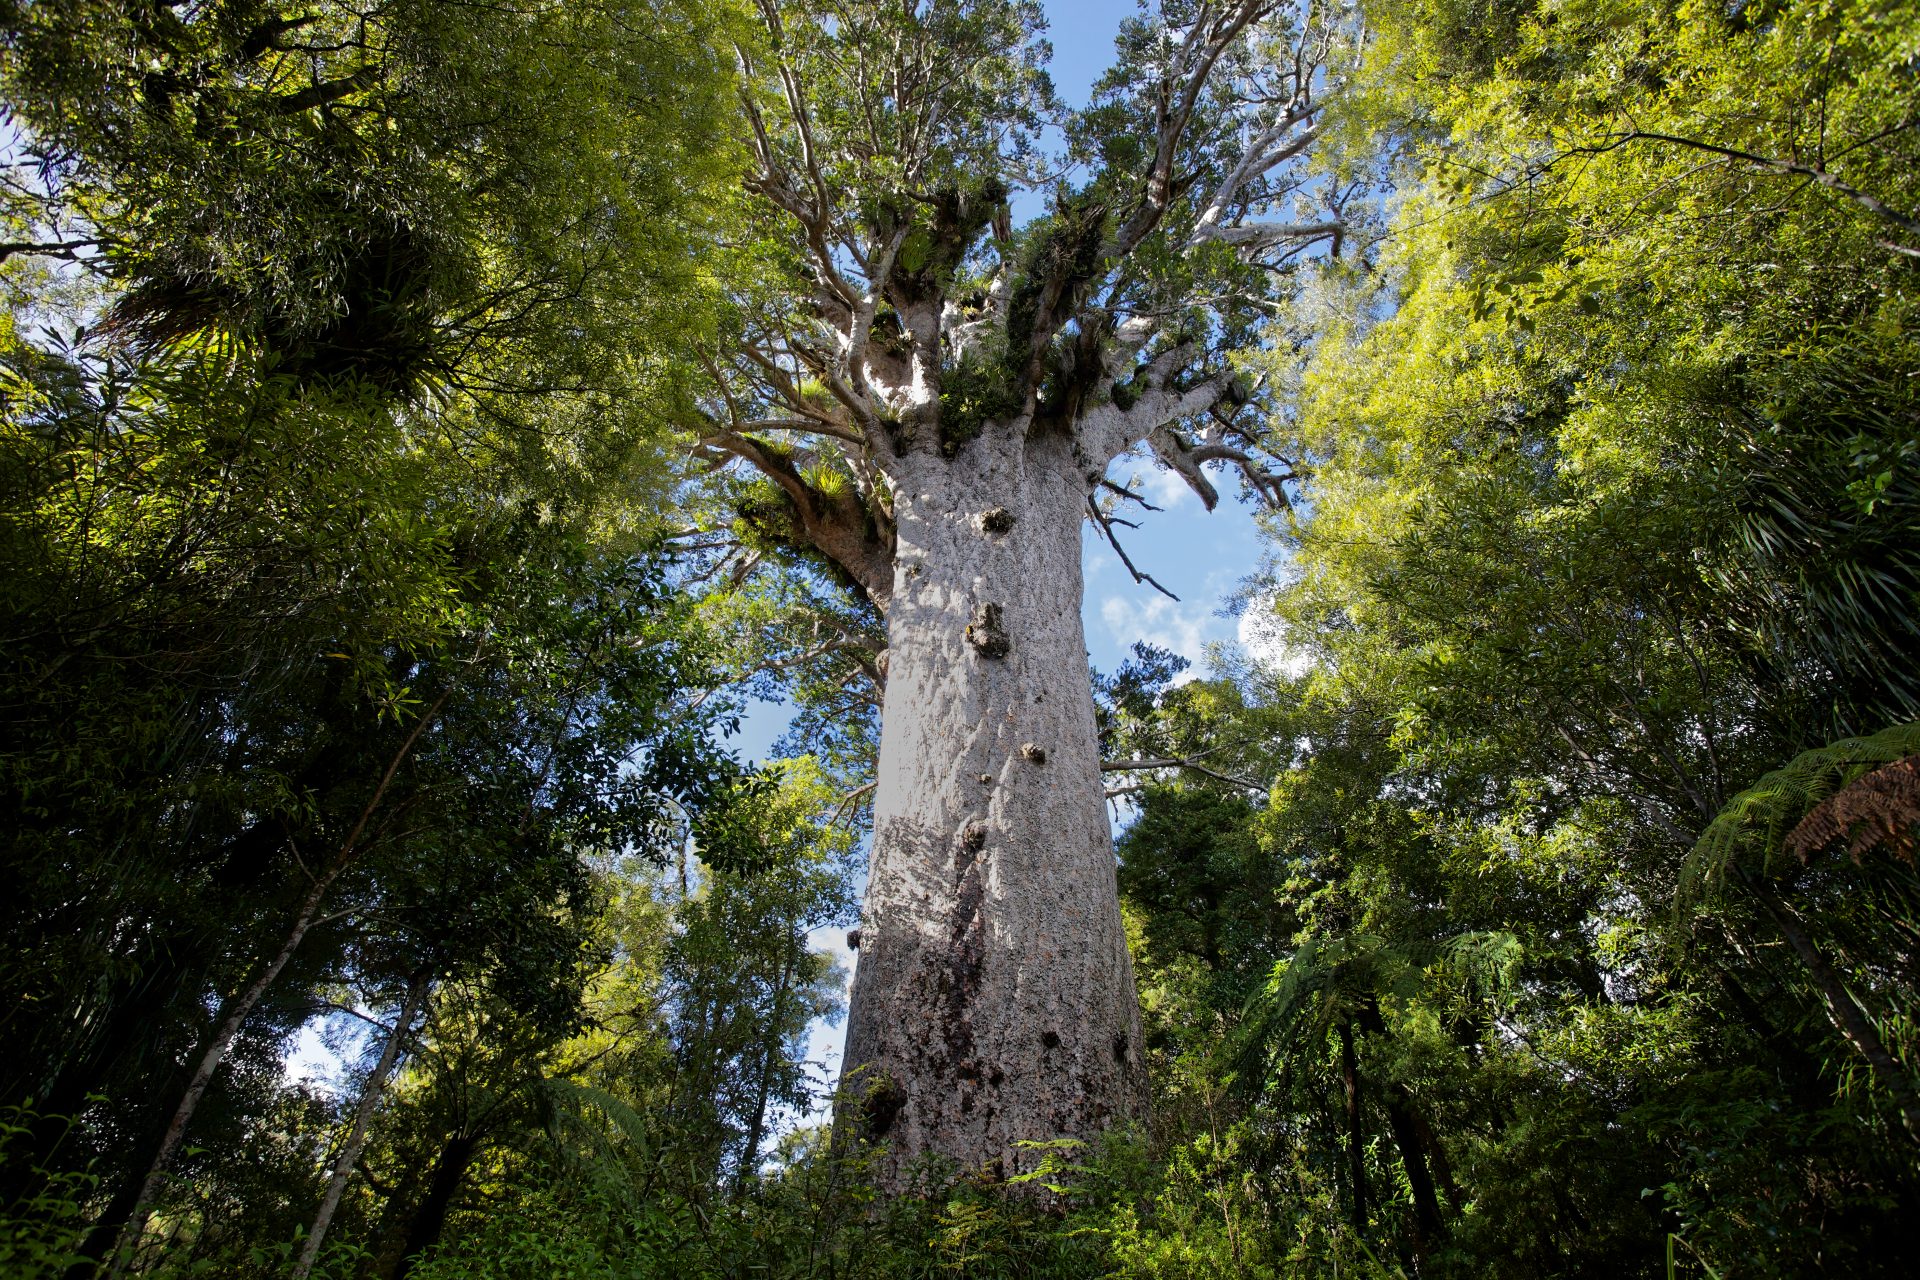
(428, 426)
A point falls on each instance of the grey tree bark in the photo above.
(994, 1000)
(932, 399)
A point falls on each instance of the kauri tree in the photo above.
(930, 401)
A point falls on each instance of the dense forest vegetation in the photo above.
(377, 608)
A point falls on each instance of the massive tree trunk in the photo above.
(933, 398)
(994, 1001)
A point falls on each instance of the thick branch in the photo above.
(1262, 235)
(1204, 47)
(319, 95)
(1265, 153)
(836, 525)
(58, 249)
(1170, 449)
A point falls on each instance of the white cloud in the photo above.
(1163, 488)
(1160, 485)
(1185, 629)
(1264, 639)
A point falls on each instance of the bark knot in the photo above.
(986, 633)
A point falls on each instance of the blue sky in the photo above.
(1082, 32)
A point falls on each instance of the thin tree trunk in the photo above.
(236, 1013)
(750, 1158)
(1406, 1136)
(1847, 1016)
(1405, 1127)
(994, 1002)
(233, 1017)
(1356, 1152)
(1430, 1141)
(362, 1119)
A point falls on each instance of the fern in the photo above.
(1289, 1010)
(1752, 830)
(592, 1129)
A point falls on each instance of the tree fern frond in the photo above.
(1309, 988)
(1753, 827)
(1879, 809)
(589, 1126)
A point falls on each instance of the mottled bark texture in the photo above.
(931, 402)
(995, 999)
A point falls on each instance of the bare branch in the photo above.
(848, 800)
(1205, 45)
(1128, 494)
(58, 249)
(1106, 523)
(1261, 235)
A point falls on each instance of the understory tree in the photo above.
(321, 669)
(928, 401)
(1608, 538)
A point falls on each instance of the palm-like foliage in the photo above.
(1325, 981)
(1751, 832)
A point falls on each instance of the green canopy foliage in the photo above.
(1552, 914)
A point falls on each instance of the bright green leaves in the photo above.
(1608, 517)
(353, 197)
(1597, 321)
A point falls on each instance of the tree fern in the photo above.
(1752, 830)
(1290, 1012)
